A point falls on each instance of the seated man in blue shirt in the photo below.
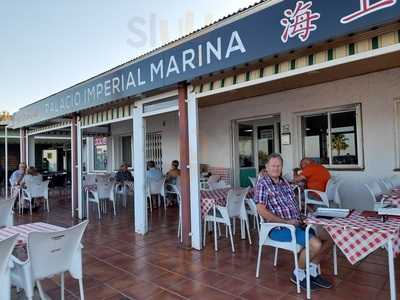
(152, 172)
(276, 203)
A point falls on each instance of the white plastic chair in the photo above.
(6, 212)
(45, 195)
(251, 210)
(218, 185)
(386, 184)
(375, 193)
(49, 254)
(395, 181)
(6, 248)
(25, 197)
(93, 197)
(157, 188)
(253, 181)
(40, 190)
(148, 196)
(265, 240)
(325, 197)
(235, 208)
(119, 189)
(176, 191)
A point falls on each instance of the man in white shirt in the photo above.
(18, 175)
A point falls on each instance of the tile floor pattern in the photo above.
(119, 264)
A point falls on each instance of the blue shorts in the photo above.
(283, 235)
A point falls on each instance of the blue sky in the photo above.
(49, 45)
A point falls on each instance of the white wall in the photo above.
(168, 125)
(118, 130)
(375, 91)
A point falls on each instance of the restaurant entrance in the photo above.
(255, 140)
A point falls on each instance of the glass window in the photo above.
(100, 154)
(49, 162)
(246, 158)
(344, 138)
(332, 138)
(316, 138)
(127, 150)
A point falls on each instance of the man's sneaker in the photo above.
(303, 283)
(321, 282)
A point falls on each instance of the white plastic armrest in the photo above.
(275, 225)
(17, 261)
(322, 195)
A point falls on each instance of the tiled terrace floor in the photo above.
(119, 264)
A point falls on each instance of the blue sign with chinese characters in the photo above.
(279, 28)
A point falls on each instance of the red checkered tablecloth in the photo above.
(357, 237)
(24, 230)
(216, 197)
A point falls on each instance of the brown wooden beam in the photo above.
(184, 162)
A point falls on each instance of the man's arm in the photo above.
(270, 217)
(299, 178)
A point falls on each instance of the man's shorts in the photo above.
(283, 235)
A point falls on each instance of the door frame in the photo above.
(257, 121)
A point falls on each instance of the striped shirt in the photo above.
(278, 198)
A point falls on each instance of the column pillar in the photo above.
(74, 164)
(184, 162)
(30, 151)
(141, 222)
(22, 145)
(6, 160)
(195, 208)
(79, 169)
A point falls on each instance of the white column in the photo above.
(79, 168)
(26, 147)
(141, 225)
(195, 207)
(6, 160)
(89, 154)
(113, 153)
(30, 150)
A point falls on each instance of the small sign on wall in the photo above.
(285, 138)
(285, 128)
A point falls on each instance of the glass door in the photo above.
(254, 140)
(246, 153)
(265, 144)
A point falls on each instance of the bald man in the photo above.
(315, 175)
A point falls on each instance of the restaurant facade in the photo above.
(302, 78)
